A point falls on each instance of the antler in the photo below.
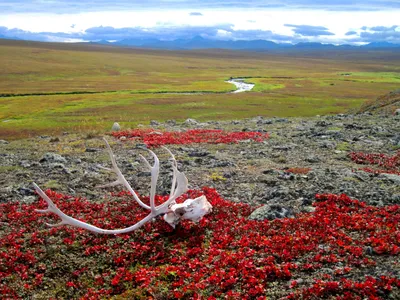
(192, 209)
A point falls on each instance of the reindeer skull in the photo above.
(191, 209)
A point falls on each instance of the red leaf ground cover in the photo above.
(298, 170)
(389, 164)
(224, 256)
(154, 139)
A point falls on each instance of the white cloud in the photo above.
(221, 33)
(339, 22)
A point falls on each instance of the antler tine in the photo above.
(155, 170)
(120, 177)
(67, 220)
(181, 188)
(51, 208)
(174, 171)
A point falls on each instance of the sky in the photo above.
(281, 21)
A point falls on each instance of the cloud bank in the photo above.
(300, 33)
(376, 34)
(307, 30)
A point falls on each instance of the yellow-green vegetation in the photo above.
(50, 88)
(343, 146)
(52, 184)
(266, 84)
(372, 77)
(217, 177)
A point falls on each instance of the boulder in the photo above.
(190, 122)
(52, 158)
(116, 127)
(270, 212)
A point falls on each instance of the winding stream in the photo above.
(241, 86)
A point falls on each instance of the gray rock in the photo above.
(116, 127)
(190, 122)
(270, 212)
(312, 159)
(392, 177)
(279, 191)
(327, 144)
(323, 123)
(397, 112)
(360, 175)
(141, 146)
(282, 120)
(396, 198)
(308, 209)
(3, 142)
(29, 199)
(302, 128)
(26, 191)
(369, 250)
(50, 157)
(267, 121)
(286, 176)
(395, 140)
(154, 123)
(59, 166)
(24, 164)
(257, 119)
(170, 122)
(198, 153)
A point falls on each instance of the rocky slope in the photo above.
(385, 104)
(251, 172)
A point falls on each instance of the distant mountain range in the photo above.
(199, 42)
(257, 45)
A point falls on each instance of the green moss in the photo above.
(52, 184)
(217, 177)
(264, 84)
(350, 179)
(334, 128)
(389, 77)
(6, 169)
(281, 159)
(343, 146)
(273, 135)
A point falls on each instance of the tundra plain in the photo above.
(50, 88)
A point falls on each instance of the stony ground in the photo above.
(250, 172)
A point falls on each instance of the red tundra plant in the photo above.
(348, 289)
(224, 256)
(154, 139)
(390, 164)
(298, 170)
